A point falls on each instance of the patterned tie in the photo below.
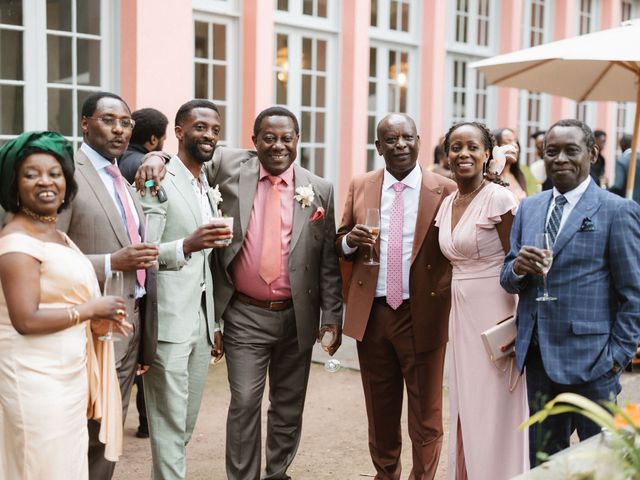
(271, 256)
(394, 249)
(132, 229)
(553, 225)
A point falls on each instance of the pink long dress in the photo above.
(481, 404)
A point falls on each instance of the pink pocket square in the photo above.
(317, 215)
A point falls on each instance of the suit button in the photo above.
(309, 291)
(306, 267)
(360, 282)
(130, 295)
(433, 294)
(429, 267)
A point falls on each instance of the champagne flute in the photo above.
(543, 242)
(332, 365)
(113, 285)
(372, 222)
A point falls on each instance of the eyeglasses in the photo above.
(111, 121)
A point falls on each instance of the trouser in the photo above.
(388, 361)
(173, 388)
(140, 404)
(554, 433)
(257, 341)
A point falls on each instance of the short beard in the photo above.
(192, 149)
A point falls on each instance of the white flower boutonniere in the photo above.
(216, 197)
(305, 196)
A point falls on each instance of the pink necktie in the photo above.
(394, 249)
(271, 256)
(132, 229)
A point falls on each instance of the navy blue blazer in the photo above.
(595, 276)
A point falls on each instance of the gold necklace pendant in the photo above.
(459, 197)
(40, 218)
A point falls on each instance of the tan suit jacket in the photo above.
(94, 223)
(430, 274)
(313, 263)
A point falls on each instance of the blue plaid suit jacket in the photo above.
(596, 278)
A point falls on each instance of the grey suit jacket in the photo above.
(313, 263)
(93, 222)
(180, 287)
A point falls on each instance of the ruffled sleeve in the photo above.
(499, 201)
(444, 209)
(21, 243)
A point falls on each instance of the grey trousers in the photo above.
(258, 341)
(173, 390)
(126, 351)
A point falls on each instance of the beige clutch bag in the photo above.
(497, 338)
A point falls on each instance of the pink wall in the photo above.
(510, 40)
(354, 68)
(432, 78)
(157, 66)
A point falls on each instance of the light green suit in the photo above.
(174, 384)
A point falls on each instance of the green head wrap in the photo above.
(13, 151)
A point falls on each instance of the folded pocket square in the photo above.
(317, 215)
(587, 225)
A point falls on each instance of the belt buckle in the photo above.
(272, 304)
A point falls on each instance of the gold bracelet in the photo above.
(74, 316)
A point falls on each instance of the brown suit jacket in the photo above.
(430, 274)
(94, 224)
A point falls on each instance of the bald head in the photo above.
(398, 142)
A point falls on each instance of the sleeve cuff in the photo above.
(107, 265)
(181, 258)
(346, 249)
(517, 277)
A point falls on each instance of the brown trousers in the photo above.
(388, 361)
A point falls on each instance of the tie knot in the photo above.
(561, 200)
(113, 170)
(399, 186)
(274, 180)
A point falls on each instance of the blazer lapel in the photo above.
(300, 215)
(584, 208)
(183, 184)
(538, 221)
(372, 199)
(430, 198)
(87, 170)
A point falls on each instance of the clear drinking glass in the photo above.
(372, 221)
(332, 365)
(113, 285)
(543, 242)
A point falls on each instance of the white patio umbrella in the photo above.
(602, 66)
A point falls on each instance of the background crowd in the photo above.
(234, 252)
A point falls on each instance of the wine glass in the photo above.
(543, 242)
(113, 285)
(372, 222)
(332, 365)
(153, 228)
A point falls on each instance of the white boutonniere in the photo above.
(305, 195)
(216, 197)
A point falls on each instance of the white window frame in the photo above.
(294, 88)
(296, 19)
(233, 105)
(471, 48)
(633, 10)
(36, 83)
(382, 31)
(593, 16)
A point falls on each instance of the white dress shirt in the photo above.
(411, 198)
(573, 197)
(100, 163)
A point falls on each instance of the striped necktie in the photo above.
(553, 225)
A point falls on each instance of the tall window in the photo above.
(215, 68)
(625, 110)
(392, 15)
(473, 22)
(626, 10)
(305, 71)
(67, 38)
(587, 23)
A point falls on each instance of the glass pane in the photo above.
(372, 62)
(320, 91)
(393, 15)
(219, 82)
(88, 62)
(371, 160)
(319, 162)
(281, 88)
(322, 8)
(321, 55)
(59, 15)
(58, 59)
(405, 17)
(305, 126)
(12, 111)
(202, 40)
(319, 127)
(403, 100)
(60, 111)
(307, 7)
(81, 96)
(307, 54)
(306, 90)
(202, 80)
(305, 157)
(371, 105)
(88, 12)
(391, 101)
(11, 55)
(392, 65)
(374, 13)
(371, 129)
(219, 41)
(283, 5)
(11, 12)
(282, 51)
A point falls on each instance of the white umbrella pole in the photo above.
(631, 173)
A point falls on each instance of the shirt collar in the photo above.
(574, 196)
(192, 179)
(98, 161)
(286, 176)
(412, 180)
